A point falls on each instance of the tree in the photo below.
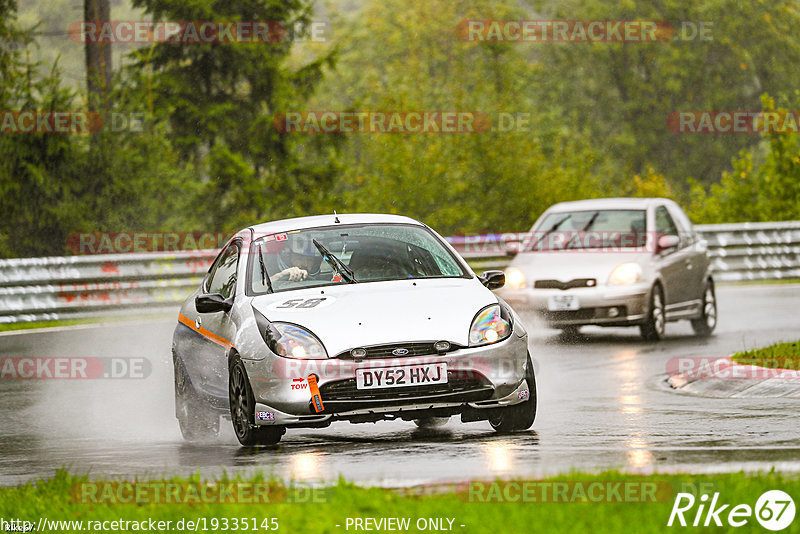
(221, 99)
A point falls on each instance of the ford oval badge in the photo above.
(400, 352)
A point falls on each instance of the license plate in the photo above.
(398, 377)
(562, 302)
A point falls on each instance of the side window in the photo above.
(223, 277)
(664, 223)
(684, 224)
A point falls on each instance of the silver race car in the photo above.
(306, 321)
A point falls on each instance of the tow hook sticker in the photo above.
(315, 395)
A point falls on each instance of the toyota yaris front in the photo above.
(358, 318)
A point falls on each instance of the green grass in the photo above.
(6, 327)
(56, 499)
(761, 282)
(778, 356)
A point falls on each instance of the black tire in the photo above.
(243, 405)
(196, 420)
(519, 416)
(431, 422)
(655, 325)
(704, 325)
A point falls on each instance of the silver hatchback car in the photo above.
(357, 317)
(614, 262)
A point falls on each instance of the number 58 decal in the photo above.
(301, 304)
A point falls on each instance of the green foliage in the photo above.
(764, 184)
(210, 157)
(407, 56)
(222, 98)
(624, 92)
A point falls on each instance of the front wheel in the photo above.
(243, 410)
(655, 324)
(519, 416)
(705, 324)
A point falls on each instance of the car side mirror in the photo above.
(666, 242)
(512, 247)
(211, 302)
(493, 279)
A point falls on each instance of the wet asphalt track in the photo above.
(602, 404)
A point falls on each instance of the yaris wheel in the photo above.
(704, 325)
(655, 324)
(431, 422)
(243, 405)
(518, 416)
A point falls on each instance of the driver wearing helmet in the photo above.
(298, 259)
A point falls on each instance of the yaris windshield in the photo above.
(589, 229)
(348, 254)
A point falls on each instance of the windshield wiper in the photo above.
(585, 227)
(550, 231)
(337, 264)
(264, 275)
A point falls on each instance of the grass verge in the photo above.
(778, 356)
(328, 510)
(7, 327)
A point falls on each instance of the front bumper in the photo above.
(478, 378)
(600, 305)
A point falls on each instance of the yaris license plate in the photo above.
(562, 302)
(396, 377)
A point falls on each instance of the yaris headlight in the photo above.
(625, 274)
(515, 279)
(489, 326)
(290, 340)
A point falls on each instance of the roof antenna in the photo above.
(336, 217)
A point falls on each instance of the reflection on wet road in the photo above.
(602, 404)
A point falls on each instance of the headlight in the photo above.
(488, 327)
(290, 340)
(514, 278)
(625, 274)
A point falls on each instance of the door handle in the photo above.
(198, 322)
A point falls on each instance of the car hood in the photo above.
(569, 265)
(375, 313)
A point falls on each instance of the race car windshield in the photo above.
(349, 254)
(590, 229)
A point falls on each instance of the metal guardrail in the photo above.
(55, 288)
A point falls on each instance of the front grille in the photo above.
(417, 348)
(584, 314)
(462, 385)
(558, 284)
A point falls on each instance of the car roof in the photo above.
(608, 204)
(302, 223)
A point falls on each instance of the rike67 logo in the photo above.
(774, 510)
